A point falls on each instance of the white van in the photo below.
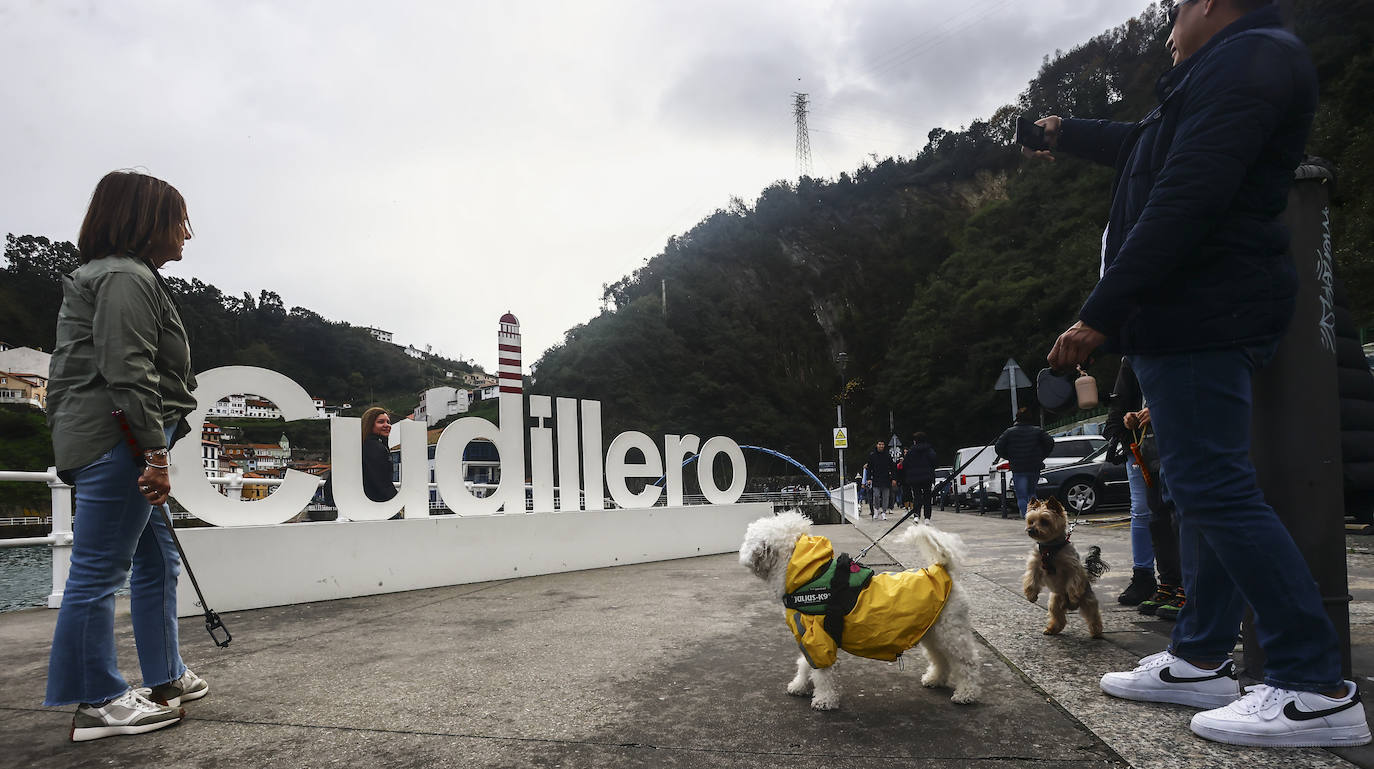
(982, 458)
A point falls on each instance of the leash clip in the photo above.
(213, 626)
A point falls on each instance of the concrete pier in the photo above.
(672, 664)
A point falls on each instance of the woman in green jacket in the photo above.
(121, 346)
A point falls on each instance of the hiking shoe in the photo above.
(185, 689)
(1163, 594)
(1142, 586)
(1267, 716)
(1163, 677)
(1170, 610)
(129, 713)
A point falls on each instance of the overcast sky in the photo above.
(426, 166)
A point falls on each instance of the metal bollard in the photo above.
(62, 536)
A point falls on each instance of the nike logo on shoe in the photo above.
(1291, 712)
(1227, 670)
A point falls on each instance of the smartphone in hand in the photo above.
(1030, 135)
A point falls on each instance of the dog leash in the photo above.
(943, 483)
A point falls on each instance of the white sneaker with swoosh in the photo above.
(1163, 677)
(1270, 717)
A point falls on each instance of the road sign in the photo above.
(826, 467)
(841, 438)
(1009, 371)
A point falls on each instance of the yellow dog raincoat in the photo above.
(890, 613)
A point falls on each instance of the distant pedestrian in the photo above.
(882, 474)
(918, 469)
(1025, 446)
(121, 345)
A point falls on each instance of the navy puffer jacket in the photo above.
(919, 464)
(1025, 447)
(1195, 254)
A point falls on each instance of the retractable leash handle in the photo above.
(213, 623)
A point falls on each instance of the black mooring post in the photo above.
(1296, 421)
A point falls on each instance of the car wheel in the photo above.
(1080, 496)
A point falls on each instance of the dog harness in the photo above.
(1048, 550)
(835, 603)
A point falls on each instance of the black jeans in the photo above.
(1164, 532)
(920, 498)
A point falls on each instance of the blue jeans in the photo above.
(1233, 548)
(1024, 484)
(115, 529)
(1142, 551)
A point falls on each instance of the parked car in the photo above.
(1088, 486)
(1068, 450)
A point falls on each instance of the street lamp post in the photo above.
(841, 359)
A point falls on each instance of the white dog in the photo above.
(876, 615)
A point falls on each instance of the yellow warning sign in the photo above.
(841, 440)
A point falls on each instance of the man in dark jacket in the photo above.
(918, 466)
(1197, 287)
(1025, 446)
(882, 474)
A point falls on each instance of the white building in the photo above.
(25, 360)
(440, 403)
(379, 335)
(232, 406)
(328, 410)
(256, 408)
(490, 393)
(210, 442)
(414, 352)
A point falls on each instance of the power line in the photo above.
(922, 44)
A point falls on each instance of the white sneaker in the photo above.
(1163, 677)
(1270, 717)
(129, 713)
(173, 693)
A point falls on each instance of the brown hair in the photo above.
(370, 420)
(130, 213)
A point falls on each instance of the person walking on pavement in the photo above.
(1025, 445)
(918, 467)
(121, 345)
(1198, 286)
(882, 474)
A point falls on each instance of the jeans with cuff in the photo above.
(1142, 551)
(1233, 548)
(117, 536)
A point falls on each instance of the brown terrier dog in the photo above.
(1054, 565)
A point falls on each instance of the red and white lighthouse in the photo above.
(508, 369)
